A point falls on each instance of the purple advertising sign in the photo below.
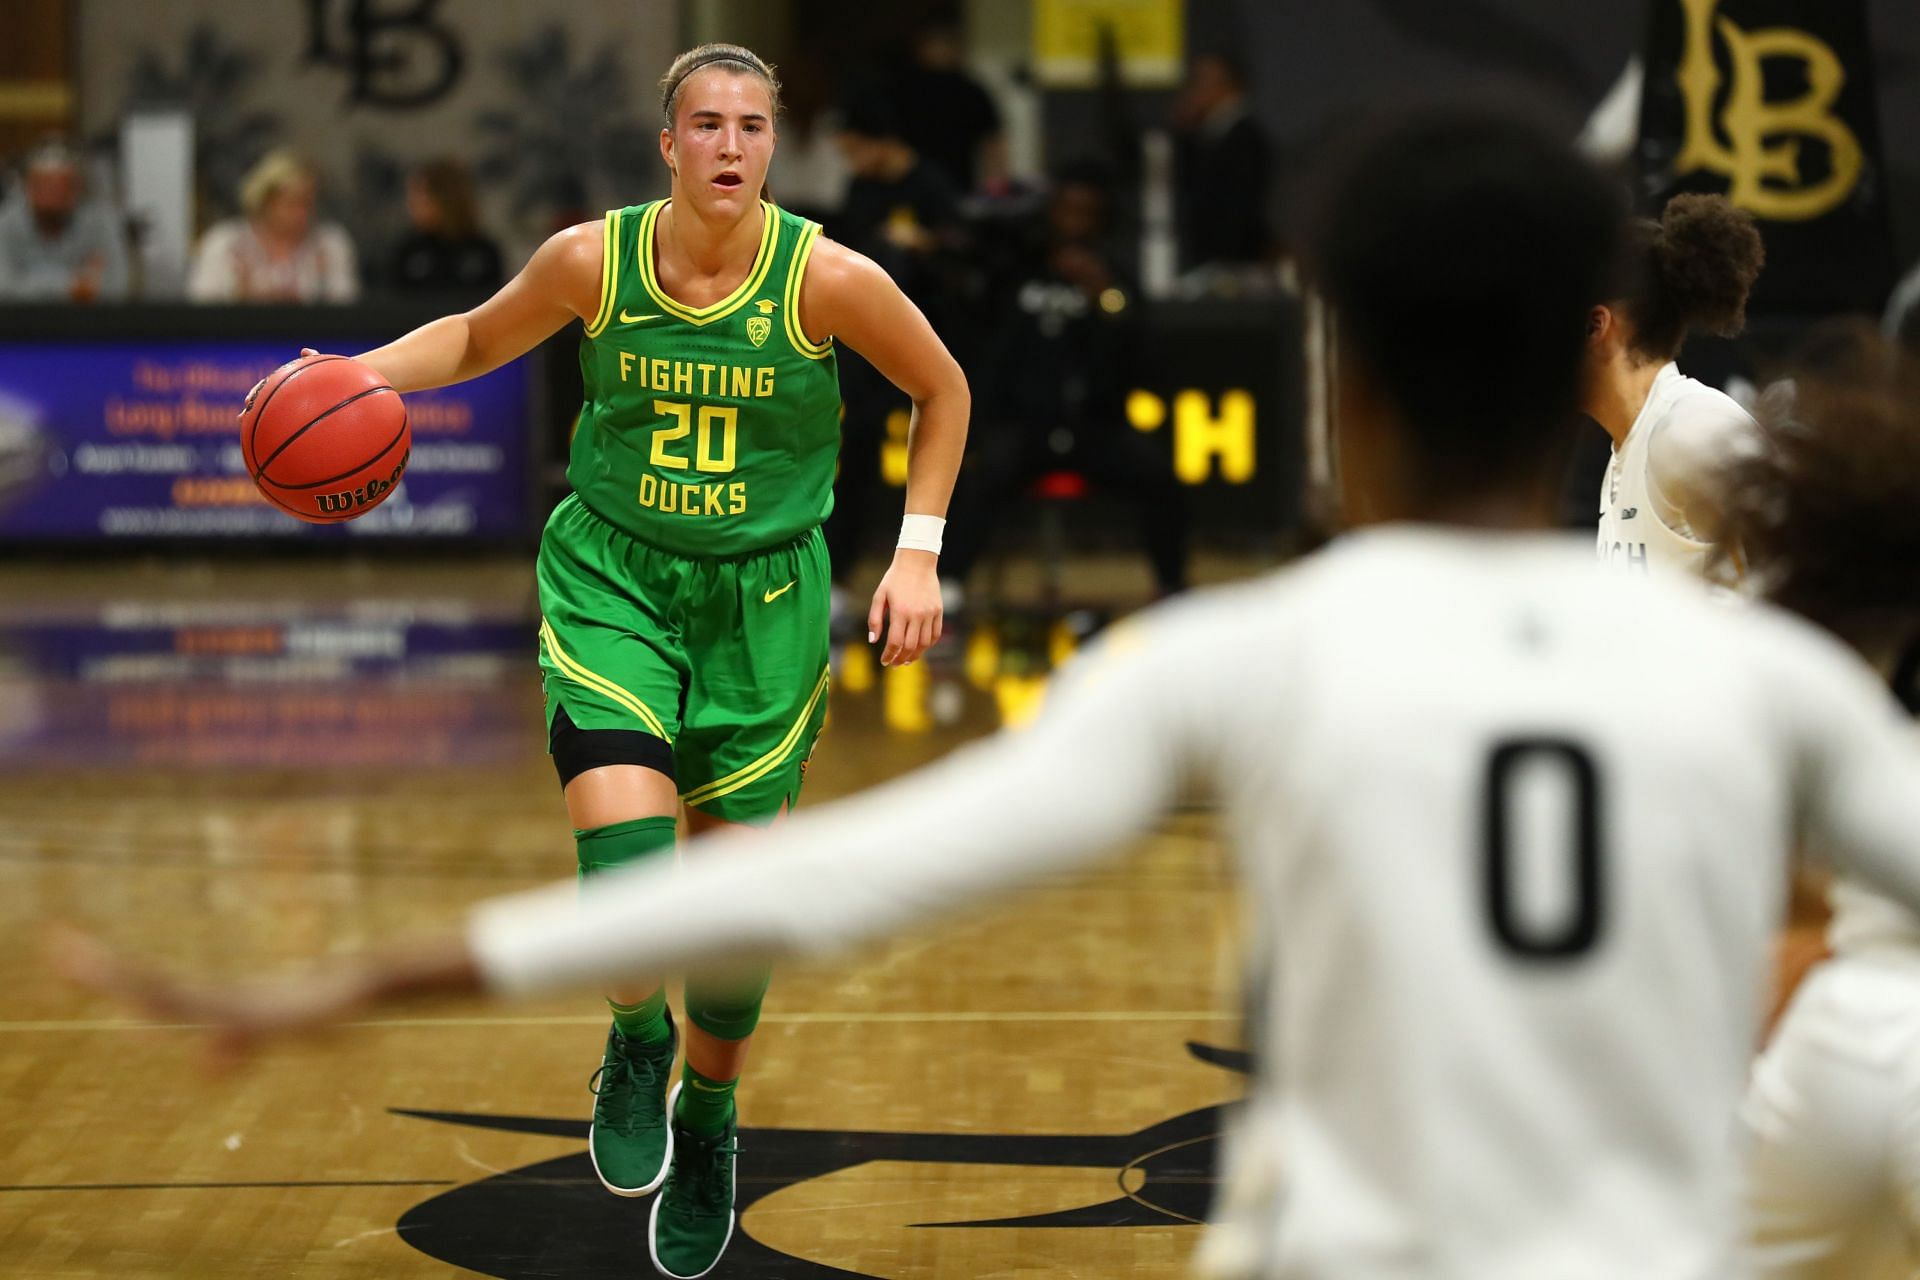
(385, 682)
(124, 440)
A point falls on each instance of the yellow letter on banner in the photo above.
(1699, 80)
(1149, 36)
(1199, 437)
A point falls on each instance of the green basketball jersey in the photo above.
(706, 431)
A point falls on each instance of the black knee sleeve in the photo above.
(576, 750)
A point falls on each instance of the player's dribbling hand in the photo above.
(239, 1017)
(907, 602)
(304, 353)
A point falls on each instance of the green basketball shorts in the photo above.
(725, 659)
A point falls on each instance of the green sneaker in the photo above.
(693, 1218)
(631, 1142)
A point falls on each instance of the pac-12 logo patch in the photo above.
(758, 327)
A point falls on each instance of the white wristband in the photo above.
(921, 533)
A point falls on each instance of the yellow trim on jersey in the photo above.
(609, 272)
(769, 241)
(796, 272)
(598, 683)
(766, 764)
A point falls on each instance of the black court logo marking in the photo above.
(554, 1218)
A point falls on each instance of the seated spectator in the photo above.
(898, 210)
(1053, 398)
(1079, 209)
(809, 175)
(53, 246)
(276, 253)
(905, 215)
(446, 250)
(946, 114)
(1223, 166)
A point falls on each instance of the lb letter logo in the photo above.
(1756, 141)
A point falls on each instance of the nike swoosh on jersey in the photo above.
(627, 319)
(771, 596)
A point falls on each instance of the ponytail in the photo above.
(1690, 272)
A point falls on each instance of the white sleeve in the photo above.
(211, 277)
(1103, 760)
(1687, 455)
(113, 250)
(1613, 128)
(1906, 295)
(339, 266)
(1859, 784)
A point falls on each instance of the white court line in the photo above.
(850, 1017)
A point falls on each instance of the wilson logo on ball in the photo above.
(352, 501)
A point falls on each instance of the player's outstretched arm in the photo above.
(240, 1016)
(1121, 728)
(848, 297)
(1099, 766)
(560, 282)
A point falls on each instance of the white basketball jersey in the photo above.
(1832, 1152)
(1514, 838)
(1864, 920)
(1633, 535)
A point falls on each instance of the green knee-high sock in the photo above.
(619, 845)
(727, 1005)
(646, 1022)
(622, 843)
(706, 1104)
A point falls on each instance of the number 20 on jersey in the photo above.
(715, 430)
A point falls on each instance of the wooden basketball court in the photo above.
(230, 767)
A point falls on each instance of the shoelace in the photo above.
(620, 1084)
(709, 1189)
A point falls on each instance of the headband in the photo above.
(718, 55)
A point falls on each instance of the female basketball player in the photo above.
(684, 583)
(1828, 518)
(1504, 938)
(1689, 272)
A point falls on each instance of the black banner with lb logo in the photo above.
(1771, 103)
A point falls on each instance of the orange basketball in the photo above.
(325, 438)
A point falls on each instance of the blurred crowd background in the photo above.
(336, 163)
(1092, 199)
